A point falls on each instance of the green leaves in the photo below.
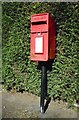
(22, 74)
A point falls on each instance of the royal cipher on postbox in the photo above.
(43, 37)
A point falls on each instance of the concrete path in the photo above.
(26, 105)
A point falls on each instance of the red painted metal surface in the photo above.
(43, 37)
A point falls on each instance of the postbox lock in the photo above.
(39, 33)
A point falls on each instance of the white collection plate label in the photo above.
(39, 45)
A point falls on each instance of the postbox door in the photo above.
(39, 47)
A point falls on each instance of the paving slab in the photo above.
(26, 105)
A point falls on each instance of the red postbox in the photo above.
(43, 36)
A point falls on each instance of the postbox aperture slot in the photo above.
(39, 44)
(39, 23)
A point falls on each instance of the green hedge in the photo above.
(22, 74)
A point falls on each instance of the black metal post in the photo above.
(43, 85)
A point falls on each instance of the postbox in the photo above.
(43, 37)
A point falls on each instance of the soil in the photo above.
(26, 105)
